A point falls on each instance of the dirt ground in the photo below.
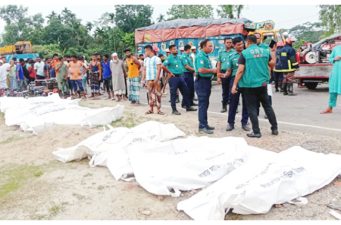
(33, 185)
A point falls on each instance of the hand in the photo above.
(337, 58)
(234, 89)
(170, 75)
(220, 75)
(214, 70)
(219, 80)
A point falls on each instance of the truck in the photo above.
(314, 62)
(192, 31)
(19, 50)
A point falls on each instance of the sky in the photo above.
(285, 16)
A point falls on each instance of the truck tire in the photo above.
(311, 85)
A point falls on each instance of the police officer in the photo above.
(174, 65)
(203, 84)
(252, 77)
(188, 73)
(287, 65)
(232, 67)
(223, 79)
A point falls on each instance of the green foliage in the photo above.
(190, 11)
(330, 16)
(229, 11)
(46, 50)
(20, 26)
(130, 17)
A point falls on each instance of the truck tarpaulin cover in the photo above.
(234, 175)
(34, 114)
(189, 28)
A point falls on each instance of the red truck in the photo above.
(314, 64)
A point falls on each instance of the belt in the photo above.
(177, 75)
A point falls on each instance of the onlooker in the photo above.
(76, 76)
(12, 76)
(118, 76)
(20, 74)
(133, 76)
(94, 76)
(107, 78)
(39, 68)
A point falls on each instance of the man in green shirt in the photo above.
(252, 77)
(174, 65)
(188, 73)
(232, 68)
(205, 73)
(223, 79)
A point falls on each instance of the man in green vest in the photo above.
(252, 78)
(205, 73)
(174, 65)
(223, 78)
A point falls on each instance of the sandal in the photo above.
(149, 112)
(160, 113)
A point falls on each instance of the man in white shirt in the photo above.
(4, 68)
(39, 68)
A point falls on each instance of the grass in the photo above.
(129, 120)
(12, 178)
(11, 139)
(54, 210)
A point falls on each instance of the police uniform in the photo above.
(253, 85)
(287, 64)
(174, 65)
(234, 98)
(188, 75)
(223, 58)
(203, 87)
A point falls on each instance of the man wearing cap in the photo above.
(252, 78)
(223, 77)
(205, 73)
(288, 66)
(174, 65)
(188, 74)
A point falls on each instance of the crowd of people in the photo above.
(245, 69)
(75, 76)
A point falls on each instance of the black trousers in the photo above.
(225, 84)
(254, 97)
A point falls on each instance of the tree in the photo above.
(330, 16)
(20, 26)
(130, 17)
(66, 30)
(190, 11)
(161, 18)
(230, 11)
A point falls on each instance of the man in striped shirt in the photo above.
(151, 77)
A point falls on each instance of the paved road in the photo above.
(300, 112)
